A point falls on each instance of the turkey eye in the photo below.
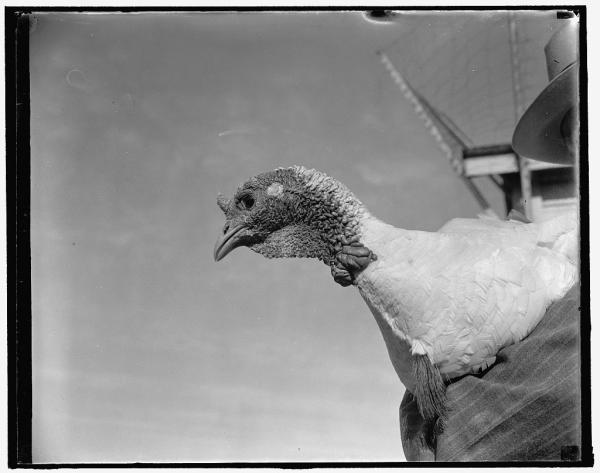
(247, 202)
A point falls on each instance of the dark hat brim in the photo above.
(538, 135)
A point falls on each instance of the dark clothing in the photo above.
(525, 407)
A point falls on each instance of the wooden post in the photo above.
(524, 170)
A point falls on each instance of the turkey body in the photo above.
(461, 294)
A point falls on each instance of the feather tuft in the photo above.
(430, 389)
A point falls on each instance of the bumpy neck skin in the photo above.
(325, 214)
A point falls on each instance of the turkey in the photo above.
(446, 302)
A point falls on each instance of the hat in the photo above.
(540, 133)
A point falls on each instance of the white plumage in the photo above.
(461, 294)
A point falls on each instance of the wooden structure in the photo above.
(552, 186)
(535, 188)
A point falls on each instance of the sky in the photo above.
(144, 348)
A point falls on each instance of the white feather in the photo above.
(461, 294)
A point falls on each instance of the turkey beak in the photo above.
(231, 238)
